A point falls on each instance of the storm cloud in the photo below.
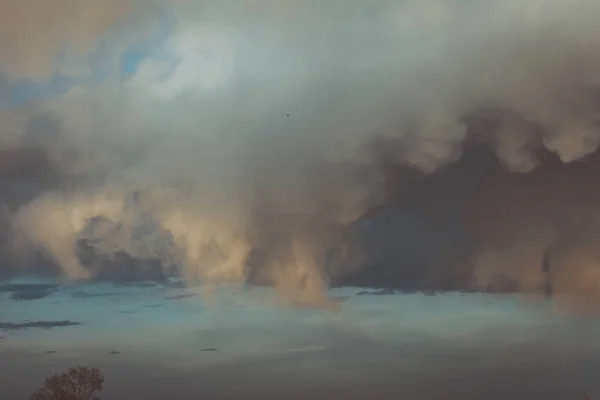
(254, 137)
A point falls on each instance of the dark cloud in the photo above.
(11, 326)
(180, 296)
(380, 292)
(82, 294)
(30, 295)
(476, 227)
(26, 287)
(142, 285)
(28, 291)
(25, 174)
(42, 132)
(177, 285)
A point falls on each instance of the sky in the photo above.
(374, 192)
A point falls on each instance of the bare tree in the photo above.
(79, 383)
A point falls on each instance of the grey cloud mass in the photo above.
(254, 140)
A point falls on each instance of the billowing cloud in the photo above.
(248, 141)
